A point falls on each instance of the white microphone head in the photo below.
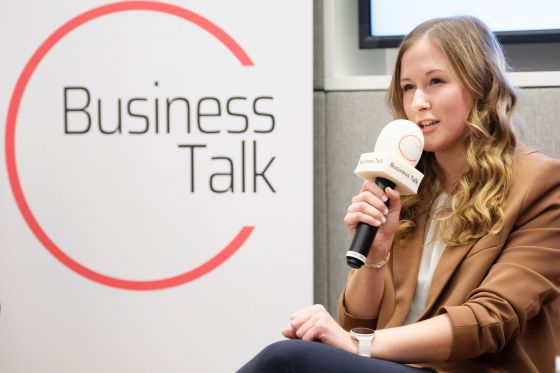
(401, 139)
(397, 151)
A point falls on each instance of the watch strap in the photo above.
(364, 346)
(365, 337)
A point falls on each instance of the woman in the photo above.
(466, 274)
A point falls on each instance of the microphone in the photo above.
(396, 153)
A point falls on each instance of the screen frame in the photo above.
(367, 41)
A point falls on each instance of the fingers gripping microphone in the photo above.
(396, 153)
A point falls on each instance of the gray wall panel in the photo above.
(321, 260)
(539, 119)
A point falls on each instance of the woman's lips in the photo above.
(428, 128)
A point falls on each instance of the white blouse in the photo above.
(431, 253)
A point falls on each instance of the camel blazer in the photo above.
(501, 292)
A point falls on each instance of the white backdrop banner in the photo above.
(155, 184)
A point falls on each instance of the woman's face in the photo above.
(434, 97)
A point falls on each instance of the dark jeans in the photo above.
(296, 356)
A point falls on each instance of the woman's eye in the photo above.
(436, 81)
(407, 87)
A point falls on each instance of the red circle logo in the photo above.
(411, 148)
(15, 101)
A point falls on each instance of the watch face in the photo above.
(363, 331)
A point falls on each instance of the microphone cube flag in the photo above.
(397, 151)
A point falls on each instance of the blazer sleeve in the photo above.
(525, 276)
(349, 321)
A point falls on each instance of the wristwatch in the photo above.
(365, 337)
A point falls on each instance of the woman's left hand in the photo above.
(316, 324)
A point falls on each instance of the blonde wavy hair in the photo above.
(476, 205)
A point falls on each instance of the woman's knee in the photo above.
(285, 352)
(278, 357)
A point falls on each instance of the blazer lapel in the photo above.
(406, 262)
(447, 265)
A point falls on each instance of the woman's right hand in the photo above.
(369, 207)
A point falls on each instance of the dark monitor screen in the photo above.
(383, 23)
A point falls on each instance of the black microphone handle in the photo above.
(365, 234)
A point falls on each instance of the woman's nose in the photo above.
(420, 101)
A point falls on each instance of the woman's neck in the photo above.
(451, 163)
